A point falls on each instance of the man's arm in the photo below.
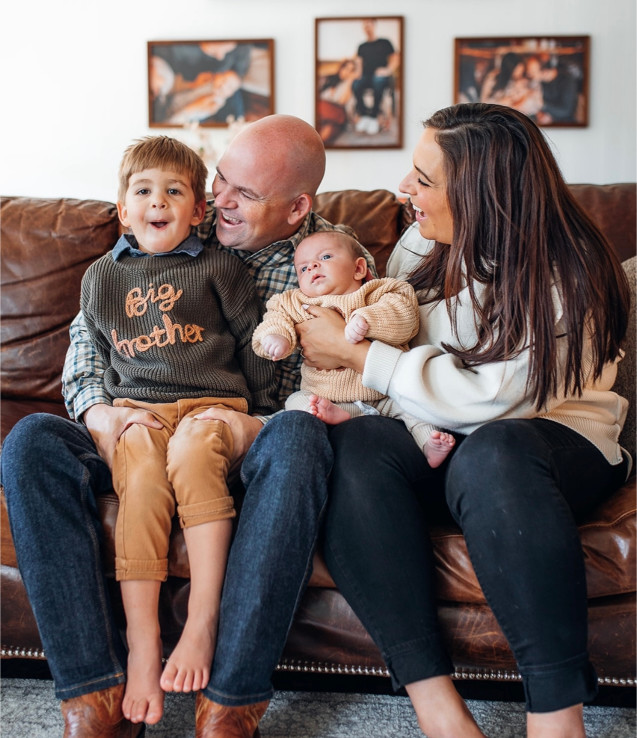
(83, 372)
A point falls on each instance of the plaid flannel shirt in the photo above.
(272, 269)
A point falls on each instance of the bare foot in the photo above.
(437, 447)
(143, 699)
(188, 668)
(327, 411)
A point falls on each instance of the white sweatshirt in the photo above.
(433, 385)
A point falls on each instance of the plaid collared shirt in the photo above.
(272, 269)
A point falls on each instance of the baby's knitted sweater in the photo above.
(176, 326)
(390, 308)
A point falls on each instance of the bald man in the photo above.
(53, 470)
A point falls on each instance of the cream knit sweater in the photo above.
(389, 306)
(435, 386)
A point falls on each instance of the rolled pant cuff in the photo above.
(137, 569)
(233, 700)
(560, 686)
(417, 660)
(93, 685)
(210, 511)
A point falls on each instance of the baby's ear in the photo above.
(361, 271)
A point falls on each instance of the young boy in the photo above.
(331, 270)
(173, 321)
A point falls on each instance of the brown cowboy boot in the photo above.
(99, 715)
(220, 721)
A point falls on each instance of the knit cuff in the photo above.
(380, 366)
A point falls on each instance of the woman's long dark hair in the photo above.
(517, 230)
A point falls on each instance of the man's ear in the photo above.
(300, 208)
(361, 269)
(198, 213)
(122, 214)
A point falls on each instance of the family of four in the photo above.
(250, 336)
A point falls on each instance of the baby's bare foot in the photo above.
(437, 447)
(188, 668)
(143, 699)
(327, 411)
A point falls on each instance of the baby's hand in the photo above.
(356, 329)
(275, 346)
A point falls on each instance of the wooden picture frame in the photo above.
(545, 77)
(209, 83)
(359, 82)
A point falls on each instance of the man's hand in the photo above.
(106, 424)
(244, 430)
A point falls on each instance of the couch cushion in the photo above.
(612, 207)
(47, 244)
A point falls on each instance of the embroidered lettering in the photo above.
(165, 295)
(169, 334)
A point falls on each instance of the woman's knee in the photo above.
(492, 460)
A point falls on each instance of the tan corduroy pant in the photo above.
(183, 466)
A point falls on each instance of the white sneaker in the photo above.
(362, 124)
(373, 126)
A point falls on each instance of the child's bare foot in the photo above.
(188, 668)
(437, 447)
(327, 411)
(143, 699)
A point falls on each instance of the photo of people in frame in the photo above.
(358, 101)
(544, 77)
(209, 83)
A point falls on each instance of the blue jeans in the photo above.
(514, 487)
(52, 476)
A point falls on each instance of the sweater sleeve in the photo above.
(438, 388)
(277, 320)
(392, 313)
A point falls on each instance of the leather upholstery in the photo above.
(46, 246)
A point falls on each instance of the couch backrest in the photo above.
(47, 244)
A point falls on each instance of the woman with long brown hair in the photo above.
(523, 311)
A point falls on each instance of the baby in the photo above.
(332, 271)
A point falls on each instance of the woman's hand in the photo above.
(324, 345)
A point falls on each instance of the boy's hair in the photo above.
(163, 152)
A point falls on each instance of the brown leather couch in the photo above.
(46, 246)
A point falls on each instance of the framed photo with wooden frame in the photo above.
(545, 77)
(359, 82)
(209, 83)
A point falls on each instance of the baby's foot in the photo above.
(143, 699)
(327, 411)
(437, 447)
(188, 668)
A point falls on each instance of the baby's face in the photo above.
(325, 266)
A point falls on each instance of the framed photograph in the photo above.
(545, 77)
(209, 83)
(359, 82)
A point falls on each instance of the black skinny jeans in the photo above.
(514, 487)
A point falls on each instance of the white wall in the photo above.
(74, 80)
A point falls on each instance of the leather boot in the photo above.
(99, 715)
(220, 721)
